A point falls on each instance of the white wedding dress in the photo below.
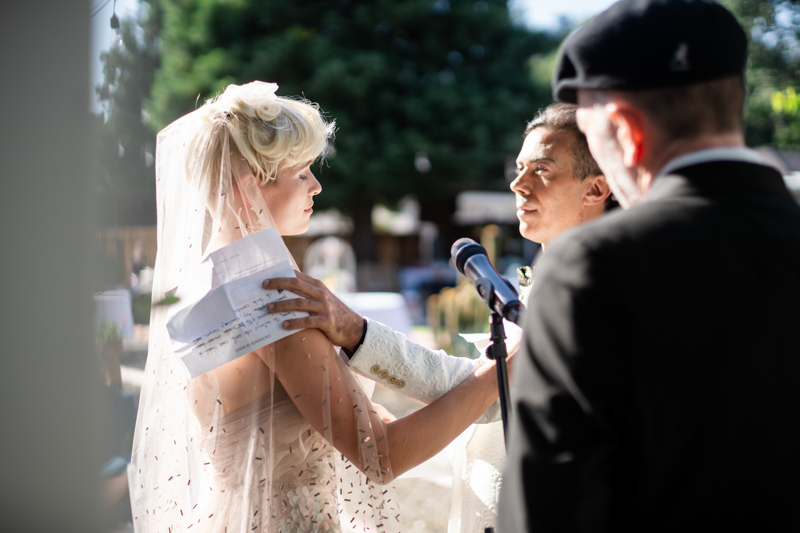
(229, 451)
(300, 496)
(477, 459)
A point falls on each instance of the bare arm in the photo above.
(385, 356)
(424, 433)
(306, 364)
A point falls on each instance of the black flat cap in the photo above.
(648, 44)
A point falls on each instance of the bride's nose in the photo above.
(315, 187)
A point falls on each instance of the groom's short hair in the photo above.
(561, 117)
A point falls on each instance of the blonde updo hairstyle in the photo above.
(266, 131)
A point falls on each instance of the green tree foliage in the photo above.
(773, 70)
(123, 135)
(444, 78)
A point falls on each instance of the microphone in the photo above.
(471, 260)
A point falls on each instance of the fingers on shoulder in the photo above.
(292, 304)
(322, 307)
(311, 321)
(311, 281)
(292, 284)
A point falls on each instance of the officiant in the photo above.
(558, 186)
(657, 380)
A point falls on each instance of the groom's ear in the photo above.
(596, 190)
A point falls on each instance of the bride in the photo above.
(282, 439)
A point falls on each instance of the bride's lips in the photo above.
(310, 209)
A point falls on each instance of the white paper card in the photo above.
(222, 309)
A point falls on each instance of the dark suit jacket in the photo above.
(658, 387)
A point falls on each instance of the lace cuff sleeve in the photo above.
(388, 357)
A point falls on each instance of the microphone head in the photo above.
(463, 249)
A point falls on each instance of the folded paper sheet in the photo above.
(221, 313)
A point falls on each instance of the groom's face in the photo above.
(550, 198)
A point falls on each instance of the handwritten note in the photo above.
(222, 309)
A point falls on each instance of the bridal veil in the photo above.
(230, 451)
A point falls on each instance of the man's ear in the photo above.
(595, 190)
(630, 132)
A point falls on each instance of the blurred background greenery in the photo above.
(451, 83)
(456, 79)
(453, 80)
(430, 99)
(773, 70)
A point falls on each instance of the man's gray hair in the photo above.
(561, 117)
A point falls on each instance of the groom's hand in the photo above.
(339, 323)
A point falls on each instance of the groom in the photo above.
(558, 186)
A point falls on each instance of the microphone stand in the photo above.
(497, 350)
